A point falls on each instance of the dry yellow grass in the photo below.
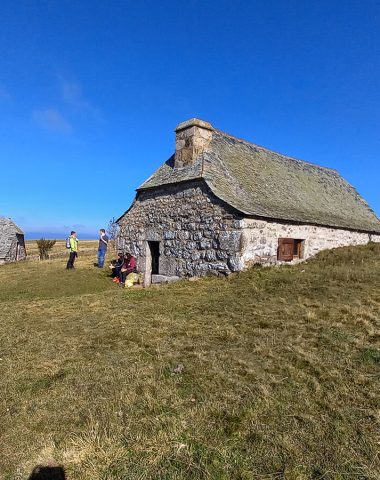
(280, 378)
(86, 247)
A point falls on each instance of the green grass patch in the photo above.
(371, 355)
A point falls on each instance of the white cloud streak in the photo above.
(51, 119)
(72, 95)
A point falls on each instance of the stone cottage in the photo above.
(12, 243)
(220, 204)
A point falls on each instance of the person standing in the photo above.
(73, 250)
(102, 249)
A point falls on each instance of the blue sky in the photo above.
(91, 91)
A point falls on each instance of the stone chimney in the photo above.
(192, 138)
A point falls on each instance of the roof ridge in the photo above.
(250, 144)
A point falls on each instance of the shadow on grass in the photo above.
(47, 473)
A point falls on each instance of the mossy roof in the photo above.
(259, 182)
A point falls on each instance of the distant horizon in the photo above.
(57, 235)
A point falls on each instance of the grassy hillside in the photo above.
(280, 375)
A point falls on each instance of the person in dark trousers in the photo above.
(116, 266)
(102, 249)
(73, 250)
(129, 266)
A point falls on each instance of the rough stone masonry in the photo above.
(197, 232)
(12, 243)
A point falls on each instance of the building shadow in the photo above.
(47, 473)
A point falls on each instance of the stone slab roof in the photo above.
(259, 182)
(8, 230)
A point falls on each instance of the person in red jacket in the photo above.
(129, 266)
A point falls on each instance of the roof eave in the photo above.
(247, 213)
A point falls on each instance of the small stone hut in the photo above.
(220, 204)
(12, 242)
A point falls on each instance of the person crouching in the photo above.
(129, 266)
(116, 267)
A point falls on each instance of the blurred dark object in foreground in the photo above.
(47, 473)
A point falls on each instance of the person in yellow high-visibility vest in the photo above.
(73, 250)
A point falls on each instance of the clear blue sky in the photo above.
(90, 92)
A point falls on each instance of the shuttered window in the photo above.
(285, 249)
(289, 248)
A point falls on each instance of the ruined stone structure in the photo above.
(220, 204)
(12, 243)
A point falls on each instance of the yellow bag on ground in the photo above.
(132, 279)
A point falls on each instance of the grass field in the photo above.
(87, 247)
(280, 375)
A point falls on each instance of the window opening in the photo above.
(289, 249)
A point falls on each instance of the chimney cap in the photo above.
(194, 122)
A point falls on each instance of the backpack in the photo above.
(68, 242)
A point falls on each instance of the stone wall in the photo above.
(17, 249)
(260, 239)
(197, 232)
(12, 245)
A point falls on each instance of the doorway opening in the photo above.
(154, 248)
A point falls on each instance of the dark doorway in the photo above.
(154, 248)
